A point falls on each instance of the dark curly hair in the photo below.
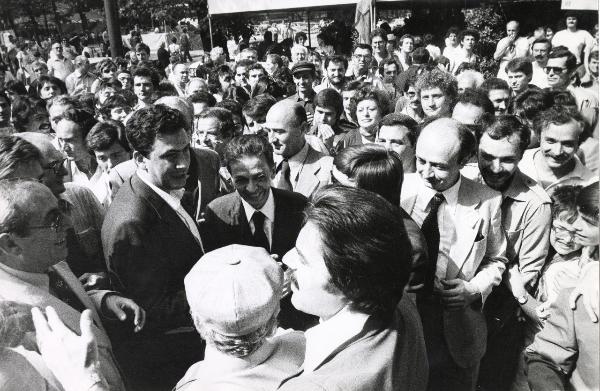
(147, 123)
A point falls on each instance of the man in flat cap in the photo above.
(304, 74)
(234, 294)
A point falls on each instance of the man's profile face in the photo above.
(518, 81)
(119, 113)
(143, 88)
(312, 289)
(438, 158)
(336, 72)
(434, 102)
(500, 100)
(498, 160)
(285, 133)
(324, 115)
(108, 158)
(251, 176)
(557, 73)
(70, 140)
(395, 138)
(206, 133)
(559, 143)
(168, 162)
(49, 90)
(271, 65)
(248, 55)
(54, 170)
(46, 243)
(142, 55)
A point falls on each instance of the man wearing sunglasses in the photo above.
(560, 70)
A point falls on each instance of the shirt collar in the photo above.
(268, 209)
(450, 194)
(173, 197)
(39, 280)
(300, 156)
(517, 188)
(324, 338)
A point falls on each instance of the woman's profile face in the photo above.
(587, 233)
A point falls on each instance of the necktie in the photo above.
(431, 231)
(60, 289)
(284, 177)
(259, 237)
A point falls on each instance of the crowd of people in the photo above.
(295, 219)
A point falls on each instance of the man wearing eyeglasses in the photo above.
(33, 234)
(361, 69)
(58, 65)
(526, 216)
(560, 70)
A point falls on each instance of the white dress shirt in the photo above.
(173, 199)
(447, 220)
(268, 209)
(324, 338)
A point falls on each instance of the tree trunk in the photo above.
(84, 20)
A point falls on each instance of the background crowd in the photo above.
(285, 217)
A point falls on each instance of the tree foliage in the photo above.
(491, 25)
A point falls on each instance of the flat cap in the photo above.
(234, 289)
(303, 66)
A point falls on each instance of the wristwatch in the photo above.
(522, 299)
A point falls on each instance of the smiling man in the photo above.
(438, 91)
(526, 216)
(461, 222)
(150, 243)
(350, 265)
(257, 214)
(300, 168)
(555, 162)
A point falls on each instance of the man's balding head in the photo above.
(286, 122)
(443, 147)
(182, 105)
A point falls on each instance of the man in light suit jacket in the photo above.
(350, 265)
(462, 225)
(257, 214)
(32, 271)
(150, 243)
(300, 168)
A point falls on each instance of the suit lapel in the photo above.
(467, 225)
(307, 180)
(176, 227)
(239, 220)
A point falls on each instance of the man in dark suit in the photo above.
(257, 214)
(150, 243)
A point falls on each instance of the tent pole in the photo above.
(210, 31)
(308, 18)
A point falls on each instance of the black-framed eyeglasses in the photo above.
(56, 166)
(556, 70)
(56, 225)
